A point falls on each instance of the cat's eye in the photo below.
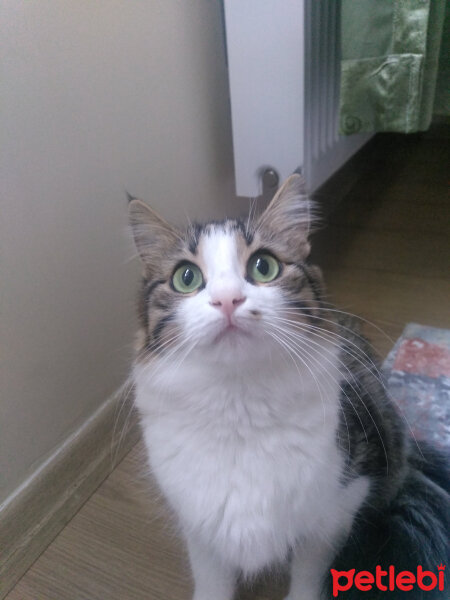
(187, 278)
(263, 267)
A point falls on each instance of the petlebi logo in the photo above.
(388, 580)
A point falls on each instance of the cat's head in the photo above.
(230, 288)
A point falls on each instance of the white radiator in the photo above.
(284, 65)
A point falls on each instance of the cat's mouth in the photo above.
(230, 331)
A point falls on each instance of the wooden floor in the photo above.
(386, 251)
(386, 256)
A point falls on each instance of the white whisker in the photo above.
(287, 345)
(364, 405)
(373, 370)
(336, 381)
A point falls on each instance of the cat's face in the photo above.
(225, 287)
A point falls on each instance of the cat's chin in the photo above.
(234, 344)
(229, 334)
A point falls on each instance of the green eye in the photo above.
(263, 268)
(187, 278)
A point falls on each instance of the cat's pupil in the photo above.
(262, 265)
(188, 277)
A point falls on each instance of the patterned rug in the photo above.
(418, 375)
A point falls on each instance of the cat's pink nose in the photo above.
(228, 303)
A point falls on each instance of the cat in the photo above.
(266, 420)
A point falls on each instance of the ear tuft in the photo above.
(153, 236)
(289, 218)
(130, 197)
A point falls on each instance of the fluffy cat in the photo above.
(265, 418)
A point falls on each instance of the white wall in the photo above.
(97, 97)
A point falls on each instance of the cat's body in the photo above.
(255, 473)
(266, 421)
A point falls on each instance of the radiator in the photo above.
(284, 69)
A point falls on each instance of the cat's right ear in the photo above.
(287, 221)
(153, 236)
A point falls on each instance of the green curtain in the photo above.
(394, 69)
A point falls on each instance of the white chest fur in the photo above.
(248, 462)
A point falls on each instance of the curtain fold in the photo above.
(390, 64)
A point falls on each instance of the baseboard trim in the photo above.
(35, 513)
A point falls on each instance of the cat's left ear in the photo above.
(287, 221)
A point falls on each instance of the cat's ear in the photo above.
(153, 236)
(288, 218)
